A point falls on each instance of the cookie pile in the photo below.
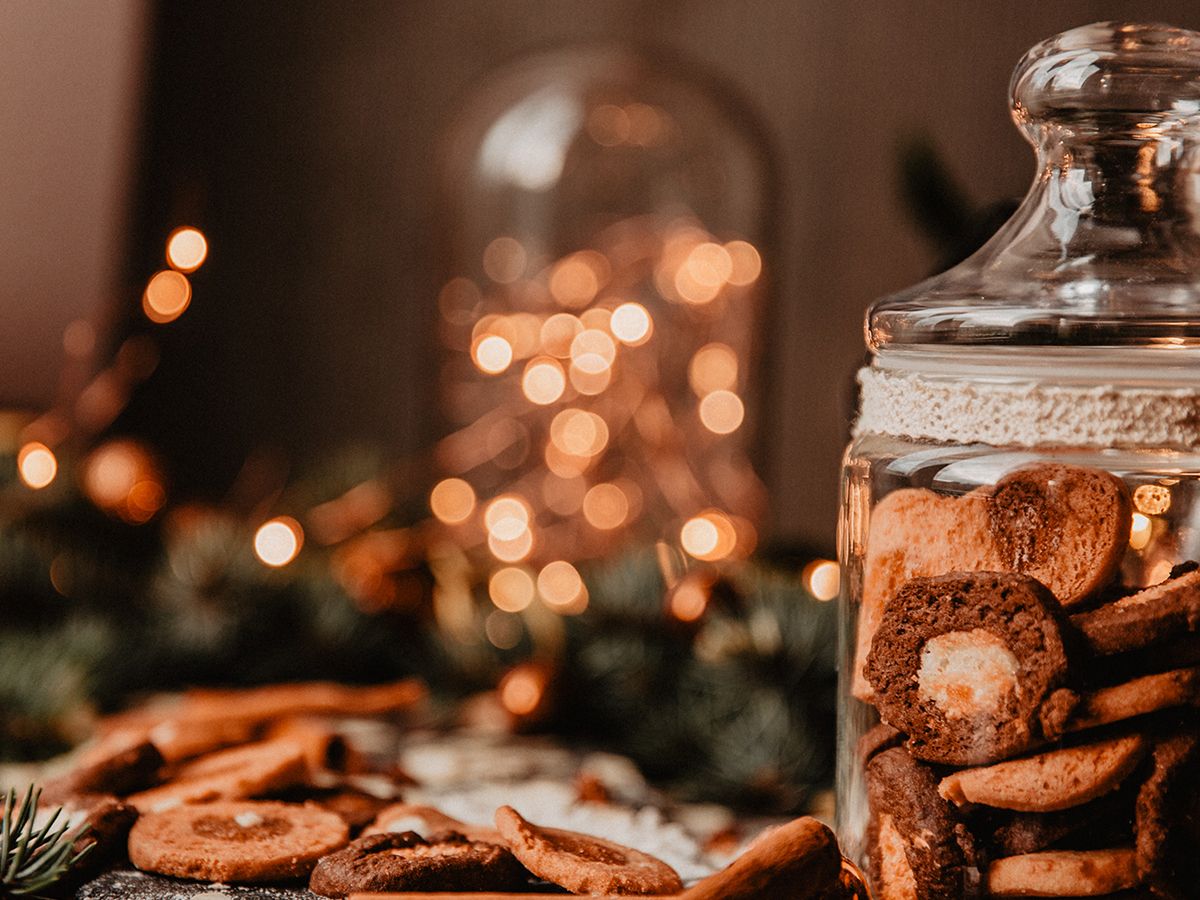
(1039, 734)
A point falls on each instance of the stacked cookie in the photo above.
(1039, 734)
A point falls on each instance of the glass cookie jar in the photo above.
(1021, 512)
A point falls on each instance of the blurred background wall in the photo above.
(302, 138)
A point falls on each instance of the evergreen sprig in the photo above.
(33, 859)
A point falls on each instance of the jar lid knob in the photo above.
(1093, 74)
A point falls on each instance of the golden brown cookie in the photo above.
(1047, 782)
(235, 841)
(427, 821)
(1063, 873)
(1137, 697)
(1162, 612)
(584, 864)
(123, 770)
(228, 775)
(405, 861)
(1066, 526)
(799, 860)
(963, 663)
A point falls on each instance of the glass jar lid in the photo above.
(1104, 251)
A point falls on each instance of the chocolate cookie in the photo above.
(1167, 827)
(405, 861)
(1051, 781)
(584, 864)
(962, 664)
(1163, 612)
(122, 771)
(1063, 873)
(1015, 833)
(918, 846)
(1067, 526)
(235, 841)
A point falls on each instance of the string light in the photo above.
(689, 600)
(592, 351)
(277, 542)
(37, 465)
(631, 324)
(521, 690)
(512, 589)
(493, 354)
(709, 536)
(452, 501)
(504, 260)
(507, 518)
(558, 333)
(543, 382)
(579, 432)
(122, 478)
(605, 506)
(722, 412)
(560, 584)
(747, 264)
(822, 578)
(713, 368)
(166, 296)
(511, 551)
(187, 248)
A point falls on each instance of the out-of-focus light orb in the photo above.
(822, 578)
(187, 248)
(688, 601)
(709, 536)
(597, 318)
(493, 354)
(544, 381)
(558, 332)
(563, 496)
(122, 478)
(166, 296)
(503, 629)
(565, 465)
(512, 589)
(605, 506)
(608, 125)
(560, 584)
(709, 265)
(511, 551)
(578, 432)
(631, 324)
(504, 260)
(713, 368)
(278, 541)
(522, 689)
(37, 465)
(1140, 530)
(593, 351)
(722, 412)
(590, 383)
(747, 264)
(1152, 499)
(452, 501)
(507, 517)
(575, 280)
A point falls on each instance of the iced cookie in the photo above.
(1047, 782)
(405, 861)
(916, 839)
(1066, 526)
(236, 842)
(1063, 873)
(583, 864)
(962, 664)
(1166, 819)
(228, 775)
(1162, 612)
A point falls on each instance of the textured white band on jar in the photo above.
(1026, 413)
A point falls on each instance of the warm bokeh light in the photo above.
(565, 465)
(563, 496)
(452, 501)
(605, 506)
(493, 354)
(511, 551)
(522, 689)
(1140, 531)
(504, 260)
(503, 629)
(747, 264)
(710, 265)
(558, 332)
(511, 589)
(822, 578)
(608, 124)
(37, 465)
(688, 601)
(560, 584)
(1152, 499)
(709, 536)
(722, 412)
(507, 518)
(576, 279)
(122, 478)
(597, 317)
(544, 381)
(631, 324)
(278, 542)
(593, 351)
(166, 296)
(187, 249)
(578, 432)
(590, 383)
(713, 368)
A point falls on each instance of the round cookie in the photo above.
(1162, 612)
(918, 846)
(1063, 873)
(405, 861)
(1166, 807)
(963, 662)
(584, 864)
(1137, 697)
(427, 821)
(235, 841)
